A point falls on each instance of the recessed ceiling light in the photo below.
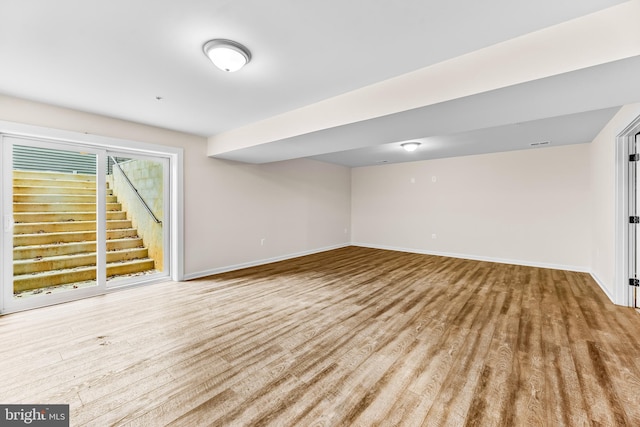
(226, 54)
(410, 146)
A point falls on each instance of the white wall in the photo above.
(527, 207)
(298, 206)
(603, 178)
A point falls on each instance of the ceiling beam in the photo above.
(600, 38)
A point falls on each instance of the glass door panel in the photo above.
(51, 222)
(136, 219)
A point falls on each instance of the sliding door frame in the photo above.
(174, 155)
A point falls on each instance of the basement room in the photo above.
(336, 213)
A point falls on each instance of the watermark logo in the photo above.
(34, 415)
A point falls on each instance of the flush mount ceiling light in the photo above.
(410, 146)
(226, 54)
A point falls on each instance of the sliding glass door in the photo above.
(78, 220)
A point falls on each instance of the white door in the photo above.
(634, 226)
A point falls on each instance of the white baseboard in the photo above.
(579, 269)
(256, 263)
(603, 287)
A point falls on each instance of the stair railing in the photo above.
(135, 190)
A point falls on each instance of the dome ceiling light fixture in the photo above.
(410, 146)
(226, 54)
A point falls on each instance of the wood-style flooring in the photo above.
(350, 337)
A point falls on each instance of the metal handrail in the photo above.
(146, 206)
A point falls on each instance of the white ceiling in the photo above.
(115, 57)
(560, 130)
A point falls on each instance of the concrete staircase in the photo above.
(55, 232)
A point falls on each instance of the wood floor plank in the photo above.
(561, 380)
(350, 337)
(531, 390)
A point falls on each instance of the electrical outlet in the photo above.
(434, 179)
(434, 236)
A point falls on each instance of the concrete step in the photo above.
(67, 237)
(58, 198)
(24, 189)
(52, 176)
(60, 183)
(30, 281)
(26, 252)
(62, 207)
(37, 265)
(26, 217)
(56, 227)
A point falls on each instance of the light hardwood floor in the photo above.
(353, 336)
